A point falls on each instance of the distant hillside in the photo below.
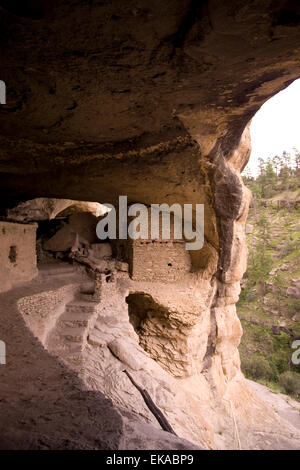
(269, 307)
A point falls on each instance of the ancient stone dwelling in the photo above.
(151, 100)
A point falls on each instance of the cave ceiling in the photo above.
(102, 93)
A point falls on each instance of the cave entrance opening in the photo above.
(138, 309)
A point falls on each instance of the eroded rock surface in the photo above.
(93, 335)
(152, 100)
(48, 208)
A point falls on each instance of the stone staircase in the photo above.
(97, 315)
(76, 321)
(71, 331)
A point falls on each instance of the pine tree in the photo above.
(277, 164)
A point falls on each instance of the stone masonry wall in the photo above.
(159, 260)
(17, 254)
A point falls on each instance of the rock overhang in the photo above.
(142, 73)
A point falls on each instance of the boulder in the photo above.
(81, 227)
(127, 354)
(63, 240)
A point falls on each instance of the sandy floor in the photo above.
(286, 407)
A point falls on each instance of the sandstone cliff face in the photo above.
(152, 101)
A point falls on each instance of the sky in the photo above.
(276, 126)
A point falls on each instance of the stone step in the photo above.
(87, 287)
(74, 348)
(74, 319)
(73, 355)
(80, 306)
(87, 297)
(76, 335)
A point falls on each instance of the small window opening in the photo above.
(12, 254)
